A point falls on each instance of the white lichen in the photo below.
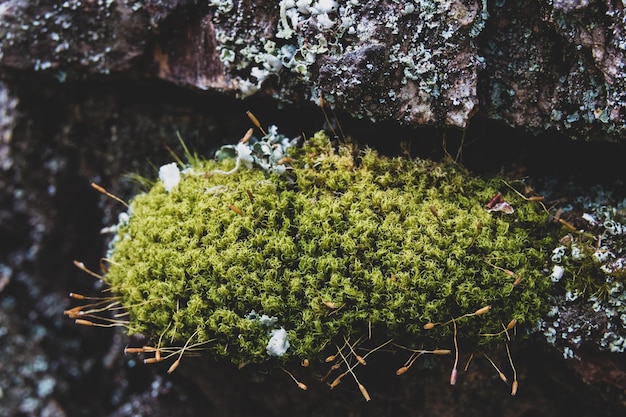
(268, 321)
(278, 343)
(170, 175)
(244, 154)
(267, 153)
(605, 305)
(557, 273)
(558, 253)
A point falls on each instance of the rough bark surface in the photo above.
(532, 64)
(558, 66)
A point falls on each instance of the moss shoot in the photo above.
(349, 243)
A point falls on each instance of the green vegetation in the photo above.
(345, 243)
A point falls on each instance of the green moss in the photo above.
(342, 245)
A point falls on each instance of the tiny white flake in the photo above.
(278, 343)
(590, 219)
(557, 273)
(244, 153)
(267, 320)
(170, 175)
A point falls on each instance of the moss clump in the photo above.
(342, 245)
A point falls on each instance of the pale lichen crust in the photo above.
(378, 60)
(344, 244)
(588, 301)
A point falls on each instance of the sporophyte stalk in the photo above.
(276, 253)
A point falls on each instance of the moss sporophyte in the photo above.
(278, 254)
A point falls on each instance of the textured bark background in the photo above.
(532, 64)
(93, 90)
